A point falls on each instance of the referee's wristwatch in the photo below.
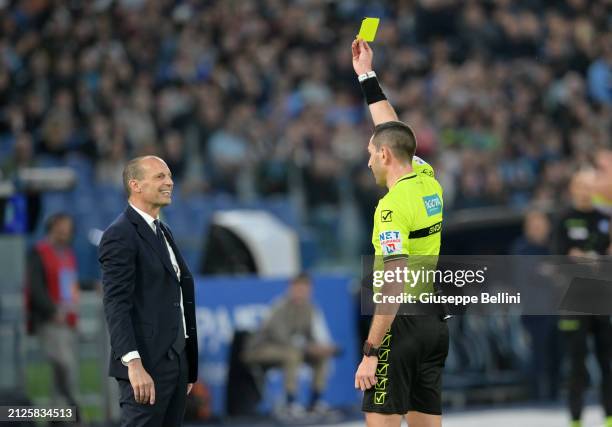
(365, 76)
(369, 349)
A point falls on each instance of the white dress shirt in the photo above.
(126, 358)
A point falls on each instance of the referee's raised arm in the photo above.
(380, 108)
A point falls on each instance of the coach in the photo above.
(148, 303)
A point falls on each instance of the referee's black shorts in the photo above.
(410, 363)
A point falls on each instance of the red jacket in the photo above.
(60, 271)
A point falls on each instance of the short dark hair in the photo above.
(132, 170)
(302, 277)
(398, 136)
(52, 221)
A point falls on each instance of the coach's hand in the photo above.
(142, 383)
(362, 56)
(365, 377)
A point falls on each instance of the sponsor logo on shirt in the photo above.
(390, 242)
(433, 204)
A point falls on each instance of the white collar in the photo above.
(148, 218)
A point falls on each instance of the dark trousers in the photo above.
(170, 378)
(577, 341)
(545, 363)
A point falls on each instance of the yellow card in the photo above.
(368, 29)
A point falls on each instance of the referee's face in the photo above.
(375, 164)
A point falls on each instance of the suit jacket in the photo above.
(141, 295)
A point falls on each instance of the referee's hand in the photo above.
(362, 56)
(365, 377)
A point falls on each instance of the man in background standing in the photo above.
(52, 303)
(582, 233)
(529, 253)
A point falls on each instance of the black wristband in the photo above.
(372, 91)
(369, 350)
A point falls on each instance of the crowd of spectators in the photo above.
(258, 98)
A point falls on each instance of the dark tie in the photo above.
(160, 237)
(179, 342)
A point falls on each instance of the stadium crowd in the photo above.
(255, 98)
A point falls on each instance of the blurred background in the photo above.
(256, 109)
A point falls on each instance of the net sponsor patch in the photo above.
(390, 242)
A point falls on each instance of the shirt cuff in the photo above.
(128, 357)
(394, 257)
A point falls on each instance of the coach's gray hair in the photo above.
(133, 170)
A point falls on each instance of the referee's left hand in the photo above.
(365, 377)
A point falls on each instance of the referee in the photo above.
(584, 233)
(403, 357)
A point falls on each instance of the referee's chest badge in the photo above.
(433, 204)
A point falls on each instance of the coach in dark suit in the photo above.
(149, 303)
